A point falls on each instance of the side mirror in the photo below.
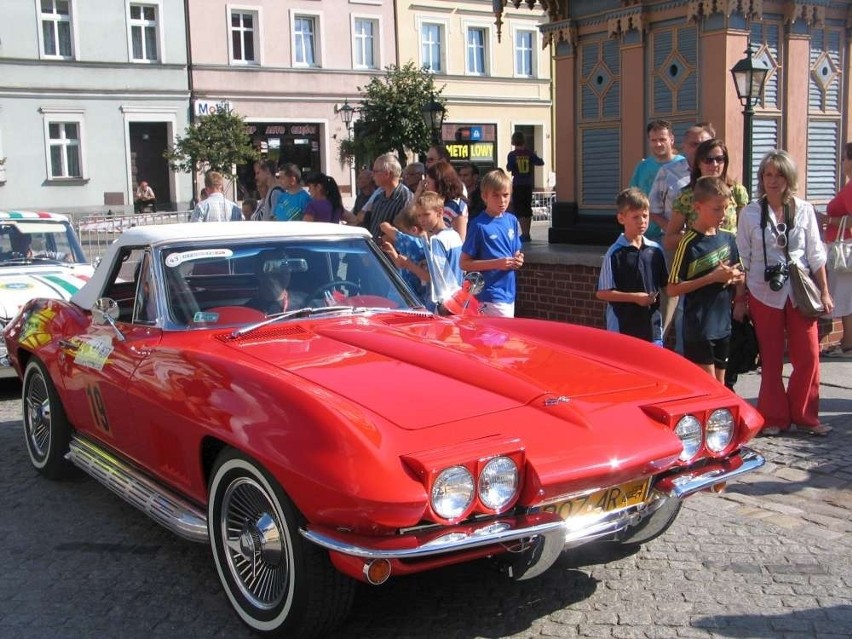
(473, 282)
(106, 311)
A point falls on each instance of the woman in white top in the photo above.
(788, 229)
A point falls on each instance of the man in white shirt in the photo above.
(143, 197)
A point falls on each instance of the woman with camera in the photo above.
(773, 230)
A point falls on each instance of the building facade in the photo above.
(286, 68)
(621, 63)
(495, 80)
(91, 94)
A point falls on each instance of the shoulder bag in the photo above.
(840, 250)
(806, 294)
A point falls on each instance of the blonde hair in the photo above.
(430, 201)
(495, 180)
(710, 186)
(214, 180)
(786, 166)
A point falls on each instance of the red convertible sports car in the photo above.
(276, 391)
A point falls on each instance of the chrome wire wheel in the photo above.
(46, 428)
(37, 416)
(278, 583)
(255, 544)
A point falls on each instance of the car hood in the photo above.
(421, 373)
(18, 286)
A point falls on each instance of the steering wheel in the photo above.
(353, 287)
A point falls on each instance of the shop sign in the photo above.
(476, 151)
(209, 107)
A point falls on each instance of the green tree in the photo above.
(213, 142)
(390, 115)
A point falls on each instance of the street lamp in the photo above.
(749, 78)
(433, 115)
(346, 111)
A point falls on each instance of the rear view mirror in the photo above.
(105, 311)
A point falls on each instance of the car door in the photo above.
(101, 360)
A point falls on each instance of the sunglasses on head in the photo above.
(715, 159)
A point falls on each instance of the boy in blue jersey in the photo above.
(493, 246)
(633, 273)
(706, 270)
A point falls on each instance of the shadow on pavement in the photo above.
(831, 621)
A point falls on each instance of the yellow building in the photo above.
(494, 83)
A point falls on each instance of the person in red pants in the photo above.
(773, 229)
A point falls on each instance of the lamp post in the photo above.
(749, 77)
(346, 111)
(433, 115)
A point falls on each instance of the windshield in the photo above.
(34, 241)
(238, 284)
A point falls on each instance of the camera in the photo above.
(776, 275)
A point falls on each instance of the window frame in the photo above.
(316, 18)
(377, 42)
(65, 116)
(72, 12)
(257, 15)
(485, 47)
(443, 44)
(158, 19)
(534, 48)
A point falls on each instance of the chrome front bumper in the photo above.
(502, 530)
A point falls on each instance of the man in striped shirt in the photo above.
(393, 197)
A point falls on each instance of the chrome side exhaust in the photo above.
(158, 502)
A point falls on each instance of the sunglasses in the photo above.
(716, 159)
(780, 233)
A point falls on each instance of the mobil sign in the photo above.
(209, 107)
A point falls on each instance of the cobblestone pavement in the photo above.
(770, 558)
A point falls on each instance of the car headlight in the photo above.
(498, 483)
(688, 429)
(720, 430)
(452, 492)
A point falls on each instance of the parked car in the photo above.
(276, 391)
(39, 257)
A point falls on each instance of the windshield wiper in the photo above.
(299, 312)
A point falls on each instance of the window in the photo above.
(56, 38)
(524, 42)
(143, 32)
(63, 142)
(243, 25)
(431, 48)
(304, 41)
(476, 38)
(365, 38)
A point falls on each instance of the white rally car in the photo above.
(40, 256)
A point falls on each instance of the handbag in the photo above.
(840, 250)
(806, 294)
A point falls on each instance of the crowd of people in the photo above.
(698, 255)
(433, 220)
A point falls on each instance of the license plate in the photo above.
(602, 501)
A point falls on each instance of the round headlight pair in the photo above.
(720, 431)
(454, 488)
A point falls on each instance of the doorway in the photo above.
(148, 142)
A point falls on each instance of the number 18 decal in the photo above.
(97, 408)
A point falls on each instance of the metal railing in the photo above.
(542, 204)
(97, 232)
